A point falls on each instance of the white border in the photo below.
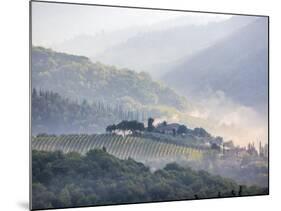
(15, 103)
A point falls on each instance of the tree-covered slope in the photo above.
(54, 114)
(236, 65)
(77, 77)
(70, 180)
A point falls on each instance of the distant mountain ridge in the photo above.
(236, 65)
(154, 51)
(91, 45)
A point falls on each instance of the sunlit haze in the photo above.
(53, 23)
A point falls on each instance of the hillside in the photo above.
(54, 114)
(236, 65)
(155, 51)
(156, 150)
(93, 45)
(99, 179)
(76, 77)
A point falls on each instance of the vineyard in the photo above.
(137, 148)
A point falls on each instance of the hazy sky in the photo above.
(53, 22)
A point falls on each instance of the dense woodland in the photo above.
(54, 114)
(66, 180)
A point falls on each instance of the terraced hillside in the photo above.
(137, 148)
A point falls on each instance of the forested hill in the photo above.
(76, 77)
(109, 180)
(54, 114)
